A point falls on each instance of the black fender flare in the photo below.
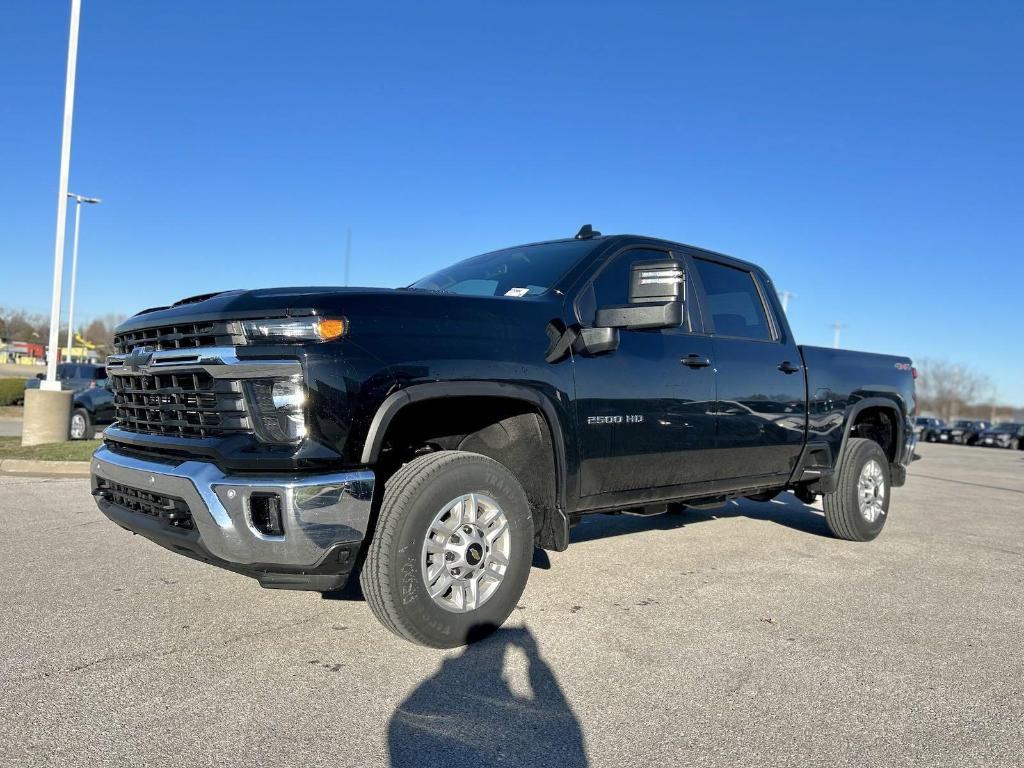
(416, 393)
(872, 402)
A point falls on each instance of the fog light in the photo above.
(265, 513)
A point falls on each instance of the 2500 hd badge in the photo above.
(426, 439)
(632, 418)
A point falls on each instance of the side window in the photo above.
(611, 287)
(733, 301)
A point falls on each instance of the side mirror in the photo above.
(657, 290)
(596, 341)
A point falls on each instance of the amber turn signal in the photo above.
(331, 328)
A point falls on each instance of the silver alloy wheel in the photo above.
(466, 553)
(871, 491)
(77, 426)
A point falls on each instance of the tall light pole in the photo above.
(348, 253)
(79, 199)
(784, 297)
(836, 328)
(51, 383)
(48, 409)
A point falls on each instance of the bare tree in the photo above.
(948, 389)
(19, 325)
(101, 331)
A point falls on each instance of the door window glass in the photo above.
(733, 301)
(611, 288)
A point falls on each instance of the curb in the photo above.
(36, 467)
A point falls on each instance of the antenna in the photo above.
(587, 232)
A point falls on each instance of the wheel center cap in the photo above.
(474, 554)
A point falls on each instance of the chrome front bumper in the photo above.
(318, 512)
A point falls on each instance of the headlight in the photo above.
(296, 329)
(278, 409)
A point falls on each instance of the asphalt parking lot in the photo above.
(742, 636)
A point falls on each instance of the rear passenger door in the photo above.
(760, 405)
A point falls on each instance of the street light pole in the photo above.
(836, 328)
(79, 199)
(51, 383)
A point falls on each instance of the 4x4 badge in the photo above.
(139, 358)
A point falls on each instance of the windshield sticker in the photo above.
(517, 292)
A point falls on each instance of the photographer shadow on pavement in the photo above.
(469, 715)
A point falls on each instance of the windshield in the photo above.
(524, 271)
(964, 424)
(1007, 426)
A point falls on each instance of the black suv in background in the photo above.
(963, 431)
(1008, 434)
(927, 429)
(93, 404)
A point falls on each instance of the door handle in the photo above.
(695, 361)
(788, 367)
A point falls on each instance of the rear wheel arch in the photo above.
(878, 419)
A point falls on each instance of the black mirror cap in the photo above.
(657, 282)
(641, 316)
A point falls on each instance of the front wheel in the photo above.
(858, 508)
(452, 549)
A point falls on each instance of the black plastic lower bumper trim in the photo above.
(330, 574)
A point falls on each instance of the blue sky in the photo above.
(869, 155)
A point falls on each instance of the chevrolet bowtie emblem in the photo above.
(139, 358)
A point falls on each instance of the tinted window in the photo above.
(611, 287)
(99, 372)
(525, 271)
(733, 301)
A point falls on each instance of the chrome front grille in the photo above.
(169, 381)
(179, 404)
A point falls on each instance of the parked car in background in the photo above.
(1009, 434)
(927, 429)
(93, 403)
(963, 431)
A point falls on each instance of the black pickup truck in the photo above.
(430, 437)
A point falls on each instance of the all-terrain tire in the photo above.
(392, 576)
(843, 507)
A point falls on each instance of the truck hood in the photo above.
(349, 302)
(261, 302)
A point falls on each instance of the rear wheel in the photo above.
(80, 424)
(858, 508)
(452, 549)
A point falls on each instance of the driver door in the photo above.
(645, 411)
